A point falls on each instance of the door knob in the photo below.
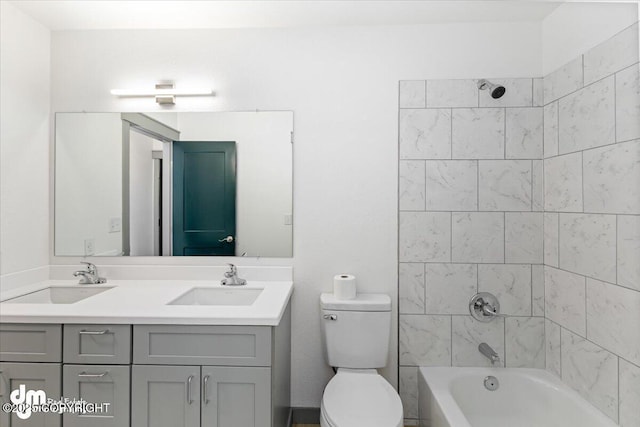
(228, 239)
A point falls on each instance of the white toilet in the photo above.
(356, 334)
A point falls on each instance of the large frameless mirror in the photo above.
(174, 184)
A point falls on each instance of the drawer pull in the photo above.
(189, 399)
(205, 383)
(85, 332)
(87, 375)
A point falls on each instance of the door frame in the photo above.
(156, 130)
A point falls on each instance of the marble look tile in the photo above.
(552, 347)
(449, 287)
(537, 176)
(524, 133)
(618, 52)
(452, 185)
(425, 340)
(412, 185)
(591, 371)
(563, 183)
(613, 318)
(587, 117)
(628, 104)
(564, 299)
(452, 93)
(425, 236)
(524, 342)
(477, 237)
(468, 333)
(612, 178)
(537, 290)
(538, 92)
(563, 81)
(425, 134)
(588, 245)
(629, 394)
(409, 390)
(551, 238)
(519, 93)
(478, 133)
(505, 185)
(524, 237)
(411, 288)
(550, 118)
(511, 284)
(413, 94)
(628, 252)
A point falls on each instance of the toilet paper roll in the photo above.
(344, 286)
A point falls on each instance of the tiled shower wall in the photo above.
(471, 219)
(592, 225)
(480, 211)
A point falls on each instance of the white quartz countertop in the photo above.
(146, 302)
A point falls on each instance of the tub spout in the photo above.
(489, 353)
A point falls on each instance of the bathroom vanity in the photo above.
(160, 354)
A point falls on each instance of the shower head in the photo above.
(496, 90)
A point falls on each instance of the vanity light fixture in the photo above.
(165, 93)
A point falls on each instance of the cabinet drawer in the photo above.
(106, 344)
(202, 345)
(98, 384)
(30, 343)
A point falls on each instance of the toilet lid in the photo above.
(361, 399)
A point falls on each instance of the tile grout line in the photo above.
(582, 177)
(615, 107)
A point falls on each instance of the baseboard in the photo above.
(306, 415)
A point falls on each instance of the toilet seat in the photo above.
(361, 398)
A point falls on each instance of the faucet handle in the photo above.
(232, 269)
(90, 266)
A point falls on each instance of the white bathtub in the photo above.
(456, 397)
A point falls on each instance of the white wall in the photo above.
(574, 28)
(342, 84)
(264, 157)
(88, 186)
(24, 146)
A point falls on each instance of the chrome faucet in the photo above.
(489, 353)
(231, 277)
(89, 276)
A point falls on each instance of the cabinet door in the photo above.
(100, 385)
(165, 396)
(34, 376)
(236, 397)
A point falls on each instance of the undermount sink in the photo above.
(218, 296)
(58, 295)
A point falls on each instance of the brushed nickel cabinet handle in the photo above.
(88, 375)
(205, 383)
(189, 380)
(85, 332)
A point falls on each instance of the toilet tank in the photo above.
(356, 332)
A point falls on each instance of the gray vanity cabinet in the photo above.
(165, 396)
(40, 346)
(106, 385)
(34, 376)
(97, 369)
(236, 397)
(207, 396)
